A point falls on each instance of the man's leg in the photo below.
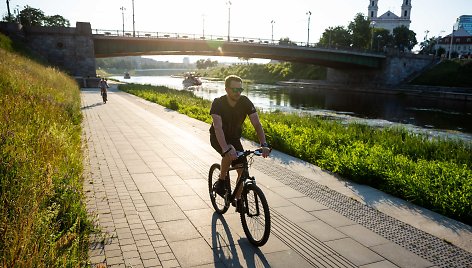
(225, 163)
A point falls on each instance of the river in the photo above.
(434, 116)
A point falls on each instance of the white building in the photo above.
(461, 43)
(390, 20)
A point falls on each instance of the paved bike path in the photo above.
(147, 187)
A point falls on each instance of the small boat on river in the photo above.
(127, 76)
(190, 79)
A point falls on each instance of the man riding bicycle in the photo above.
(228, 113)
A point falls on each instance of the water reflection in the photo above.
(377, 109)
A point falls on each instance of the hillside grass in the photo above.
(449, 73)
(432, 172)
(43, 219)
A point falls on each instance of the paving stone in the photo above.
(400, 256)
(167, 213)
(190, 202)
(355, 252)
(295, 214)
(192, 252)
(363, 235)
(178, 230)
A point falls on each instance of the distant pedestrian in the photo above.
(103, 85)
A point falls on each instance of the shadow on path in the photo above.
(226, 250)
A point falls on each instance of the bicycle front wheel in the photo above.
(220, 204)
(255, 215)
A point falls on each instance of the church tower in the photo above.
(406, 9)
(389, 20)
(373, 8)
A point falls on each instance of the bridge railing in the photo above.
(261, 41)
(145, 34)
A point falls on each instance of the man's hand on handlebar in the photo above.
(265, 151)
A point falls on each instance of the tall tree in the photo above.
(56, 20)
(361, 32)
(381, 39)
(404, 38)
(30, 16)
(336, 37)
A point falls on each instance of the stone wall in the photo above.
(397, 69)
(68, 48)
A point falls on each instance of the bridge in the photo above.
(74, 50)
(112, 43)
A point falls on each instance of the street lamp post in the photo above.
(378, 42)
(229, 16)
(372, 24)
(450, 45)
(133, 19)
(123, 18)
(203, 24)
(308, 40)
(272, 22)
(9, 13)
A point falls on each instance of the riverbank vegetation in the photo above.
(43, 219)
(432, 172)
(270, 73)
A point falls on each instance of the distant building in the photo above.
(389, 20)
(461, 43)
(465, 22)
(186, 61)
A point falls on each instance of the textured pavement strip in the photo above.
(117, 157)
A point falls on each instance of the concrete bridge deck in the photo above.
(147, 186)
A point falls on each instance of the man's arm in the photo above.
(220, 135)
(256, 123)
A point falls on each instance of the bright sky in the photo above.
(249, 18)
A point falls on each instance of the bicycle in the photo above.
(254, 212)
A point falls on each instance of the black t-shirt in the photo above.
(232, 117)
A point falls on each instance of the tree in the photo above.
(205, 64)
(31, 16)
(404, 38)
(246, 59)
(360, 31)
(337, 37)
(382, 39)
(286, 42)
(56, 20)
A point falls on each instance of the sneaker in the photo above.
(219, 188)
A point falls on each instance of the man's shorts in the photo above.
(236, 143)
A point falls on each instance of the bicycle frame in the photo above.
(245, 179)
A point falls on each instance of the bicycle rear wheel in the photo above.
(219, 203)
(255, 215)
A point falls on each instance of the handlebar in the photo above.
(257, 152)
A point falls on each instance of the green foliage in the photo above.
(43, 220)
(434, 173)
(183, 101)
(30, 16)
(455, 73)
(404, 37)
(336, 37)
(205, 64)
(360, 31)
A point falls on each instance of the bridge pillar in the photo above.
(68, 48)
(397, 69)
